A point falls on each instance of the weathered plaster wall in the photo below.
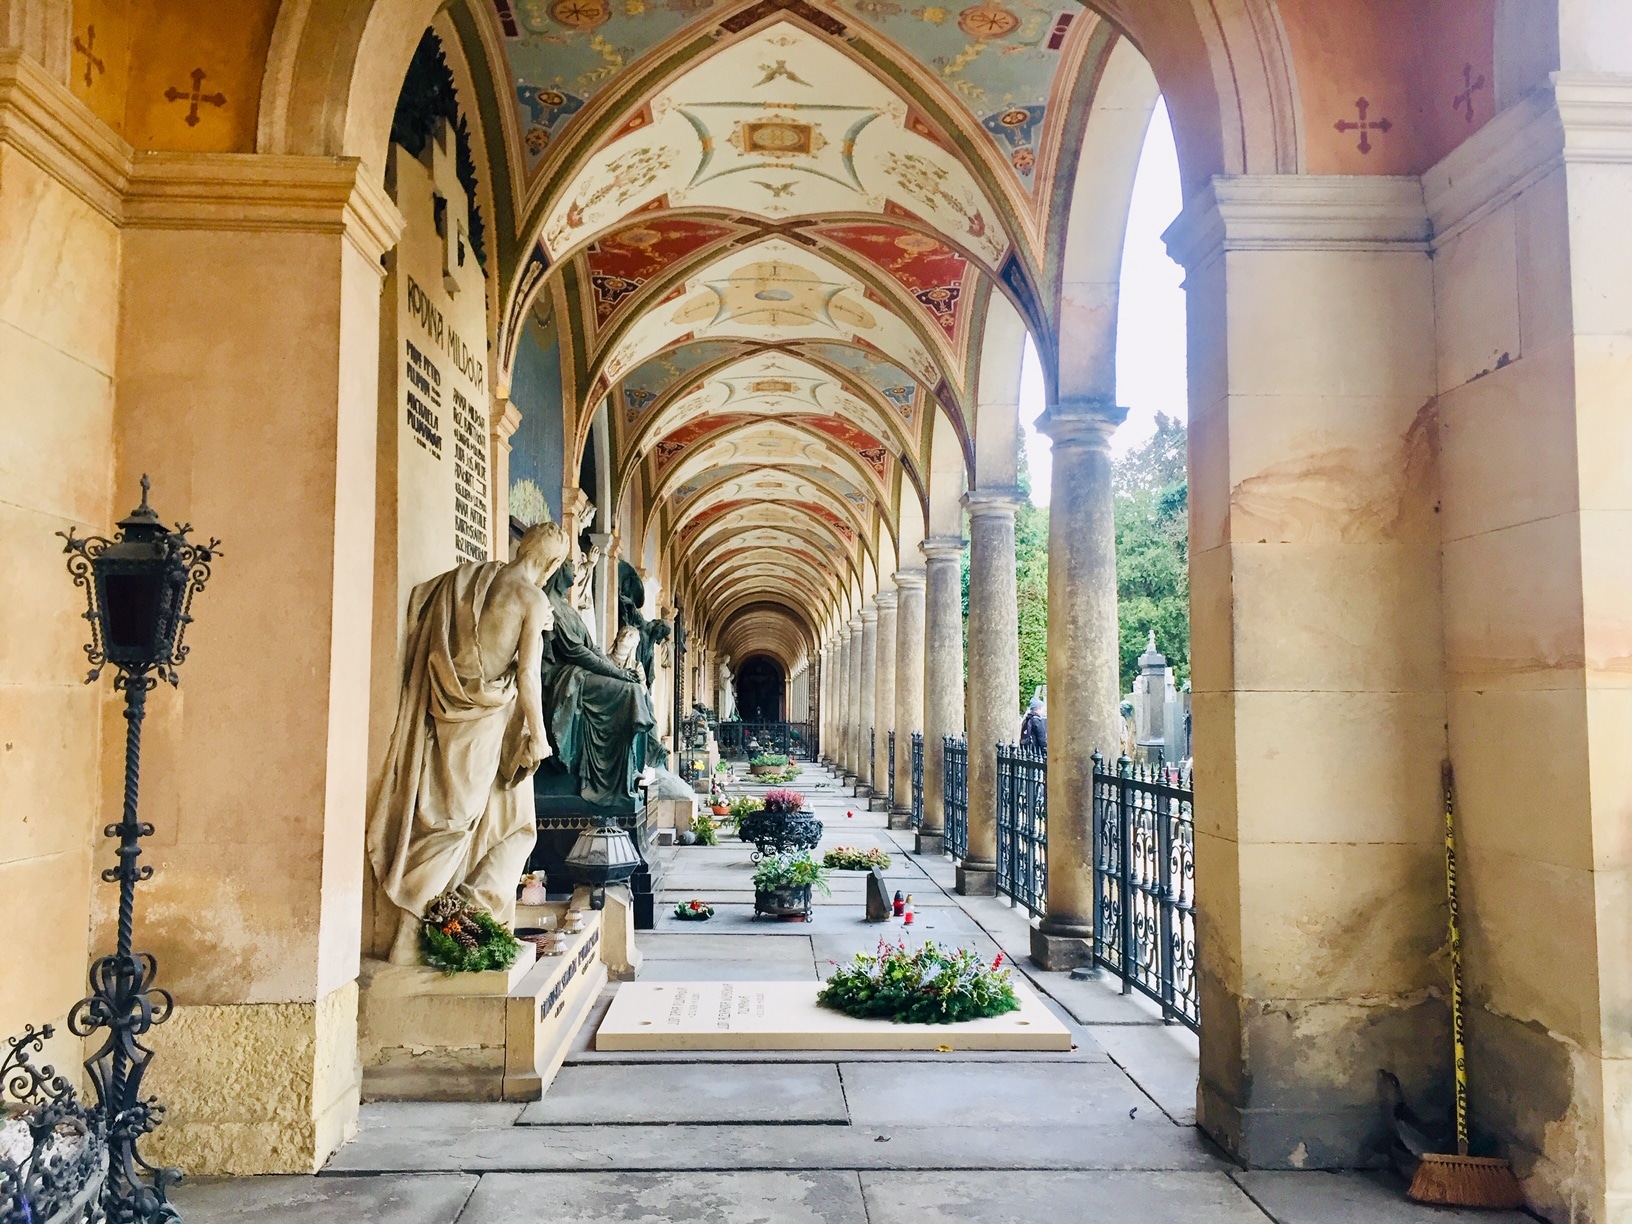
(59, 263)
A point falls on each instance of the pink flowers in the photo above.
(785, 802)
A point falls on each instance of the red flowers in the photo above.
(997, 961)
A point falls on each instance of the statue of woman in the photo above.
(597, 711)
(728, 693)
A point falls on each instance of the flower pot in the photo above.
(720, 809)
(790, 902)
(759, 771)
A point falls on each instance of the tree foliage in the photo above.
(1152, 550)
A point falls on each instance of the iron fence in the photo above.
(1022, 826)
(917, 779)
(956, 792)
(1144, 883)
(791, 739)
(890, 765)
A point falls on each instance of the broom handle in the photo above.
(1456, 962)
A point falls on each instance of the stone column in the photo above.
(505, 421)
(261, 776)
(994, 674)
(822, 677)
(909, 686)
(852, 705)
(943, 679)
(883, 701)
(1084, 689)
(841, 686)
(1315, 571)
(868, 685)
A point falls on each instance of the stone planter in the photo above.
(790, 902)
(760, 771)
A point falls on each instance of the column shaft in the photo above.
(994, 675)
(868, 683)
(1083, 666)
(852, 704)
(883, 701)
(909, 687)
(943, 678)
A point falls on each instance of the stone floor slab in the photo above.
(1053, 1198)
(691, 1093)
(403, 1199)
(699, 944)
(984, 1096)
(1353, 1198)
(693, 1198)
(454, 1115)
(669, 970)
(1163, 1059)
(1123, 1144)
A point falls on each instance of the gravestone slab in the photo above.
(762, 1015)
(878, 897)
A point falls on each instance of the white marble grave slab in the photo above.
(785, 1016)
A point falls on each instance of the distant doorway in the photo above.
(760, 687)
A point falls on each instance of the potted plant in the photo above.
(783, 884)
(781, 825)
(717, 802)
(705, 827)
(767, 763)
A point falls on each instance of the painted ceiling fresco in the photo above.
(800, 128)
(620, 263)
(652, 379)
(929, 270)
(772, 291)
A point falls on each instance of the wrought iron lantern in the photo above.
(139, 587)
(603, 854)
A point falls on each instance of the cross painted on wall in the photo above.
(87, 48)
(194, 97)
(1473, 84)
(1364, 125)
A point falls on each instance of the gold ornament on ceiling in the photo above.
(778, 138)
(580, 14)
(987, 21)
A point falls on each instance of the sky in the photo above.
(1150, 356)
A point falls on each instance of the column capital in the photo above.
(869, 616)
(992, 503)
(942, 548)
(885, 599)
(910, 579)
(1086, 422)
(506, 420)
(854, 624)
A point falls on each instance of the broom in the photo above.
(1461, 1180)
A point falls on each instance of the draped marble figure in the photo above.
(454, 809)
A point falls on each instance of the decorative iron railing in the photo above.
(693, 748)
(1145, 883)
(1022, 826)
(917, 779)
(889, 765)
(956, 793)
(793, 739)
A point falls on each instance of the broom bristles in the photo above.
(1466, 1181)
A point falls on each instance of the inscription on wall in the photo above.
(425, 404)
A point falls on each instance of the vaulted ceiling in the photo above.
(769, 233)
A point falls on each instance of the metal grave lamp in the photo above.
(603, 854)
(139, 587)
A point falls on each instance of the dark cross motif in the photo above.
(1464, 100)
(87, 48)
(1365, 126)
(195, 97)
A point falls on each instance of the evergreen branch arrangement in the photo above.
(848, 858)
(931, 985)
(792, 869)
(458, 938)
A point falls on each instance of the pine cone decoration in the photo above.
(463, 932)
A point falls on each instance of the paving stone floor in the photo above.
(1105, 1132)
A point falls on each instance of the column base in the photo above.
(900, 818)
(1339, 1137)
(861, 791)
(977, 880)
(879, 803)
(1057, 953)
(929, 843)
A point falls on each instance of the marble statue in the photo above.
(597, 710)
(653, 633)
(727, 694)
(454, 810)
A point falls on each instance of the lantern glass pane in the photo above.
(132, 609)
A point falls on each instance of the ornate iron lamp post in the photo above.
(138, 587)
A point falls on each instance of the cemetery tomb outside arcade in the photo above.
(587, 392)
